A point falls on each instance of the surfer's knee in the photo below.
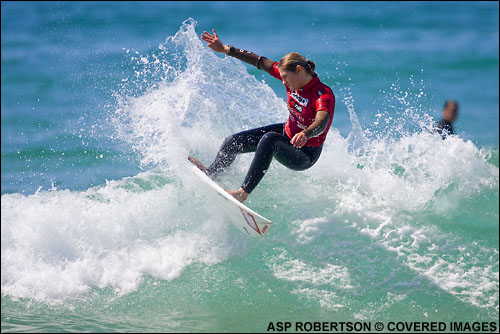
(229, 144)
(269, 140)
(228, 141)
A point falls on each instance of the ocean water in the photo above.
(105, 229)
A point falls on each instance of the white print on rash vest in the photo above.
(301, 100)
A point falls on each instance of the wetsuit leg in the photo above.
(278, 145)
(243, 142)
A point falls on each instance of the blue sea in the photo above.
(105, 229)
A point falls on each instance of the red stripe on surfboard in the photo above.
(256, 228)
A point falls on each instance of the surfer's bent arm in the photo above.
(261, 62)
(319, 125)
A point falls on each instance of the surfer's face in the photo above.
(293, 80)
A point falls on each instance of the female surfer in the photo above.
(297, 144)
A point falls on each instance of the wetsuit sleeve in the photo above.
(324, 114)
(261, 62)
(274, 71)
(320, 124)
(326, 102)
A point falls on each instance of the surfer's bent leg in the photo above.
(242, 142)
(278, 145)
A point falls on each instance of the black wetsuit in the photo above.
(444, 128)
(268, 142)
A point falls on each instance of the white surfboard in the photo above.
(244, 218)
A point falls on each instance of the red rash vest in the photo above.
(303, 105)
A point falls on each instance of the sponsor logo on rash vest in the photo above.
(301, 100)
(297, 103)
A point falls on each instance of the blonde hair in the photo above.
(290, 61)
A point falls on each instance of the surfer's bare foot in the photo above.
(240, 194)
(198, 164)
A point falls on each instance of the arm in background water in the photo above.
(214, 42)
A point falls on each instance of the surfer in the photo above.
(445, 126)
(296, 144)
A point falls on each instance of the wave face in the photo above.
(391, 220)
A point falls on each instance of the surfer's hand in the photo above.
(299, 140)
(214, 42)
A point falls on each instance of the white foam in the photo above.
(60, 244)
(380, 186)
(313, 282)
(195, 105)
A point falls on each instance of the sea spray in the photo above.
(192, 106)
(375, 227)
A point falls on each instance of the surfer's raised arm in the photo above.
(214, 42)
